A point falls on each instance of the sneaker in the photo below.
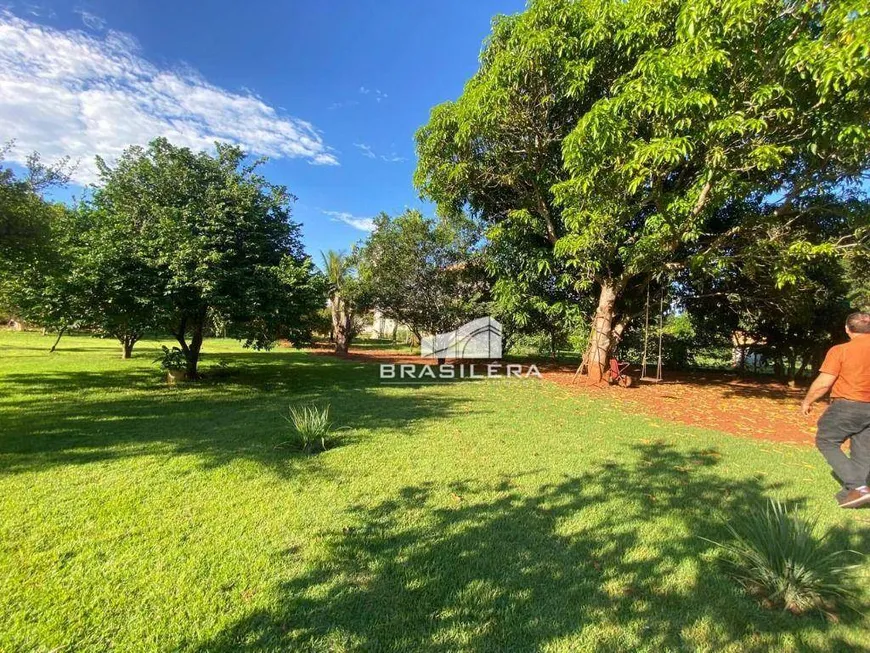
(855, 498)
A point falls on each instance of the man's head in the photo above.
(858, 323)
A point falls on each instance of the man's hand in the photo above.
(820, 387)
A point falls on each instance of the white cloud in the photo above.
(90, 20)
(363, 224)
(366, 150)
(370, 153)
(374, 92)
(342, 105)
(71, 93)
(36, 10)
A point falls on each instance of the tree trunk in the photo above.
(803, 366)
(191, 351)
(127, 343)
(195, 348)
(618, 330)
(342, 323)
(791, 374)
(601, 338)
(778, 367)
(818, 356)
(56, 342)
(341, 344)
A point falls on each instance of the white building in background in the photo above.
(381, 327)
(742, 351)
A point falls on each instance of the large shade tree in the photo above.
(613, 131)
(208, 234)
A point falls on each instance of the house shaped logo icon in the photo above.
(480, 338)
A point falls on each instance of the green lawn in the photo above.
(480, 515)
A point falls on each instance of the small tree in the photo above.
(48, 289)
(114, 284)
(422, 273)
(343, 292)
(34, 239)
(205, 233)
(119, 309)
(532, 303)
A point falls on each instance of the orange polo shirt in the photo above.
(850, 363)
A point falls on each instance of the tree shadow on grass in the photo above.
(611, 559)
(79, 417)
(262, 371)
(275, 371)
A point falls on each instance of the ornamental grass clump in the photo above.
(311, 428)
(775, 555)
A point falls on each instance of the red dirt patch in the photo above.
(758, 409)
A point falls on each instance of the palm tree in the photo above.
(338, 269)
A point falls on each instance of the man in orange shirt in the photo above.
(846, 373)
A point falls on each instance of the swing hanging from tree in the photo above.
(643, 365)
(616, 373)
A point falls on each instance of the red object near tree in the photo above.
(617, 373)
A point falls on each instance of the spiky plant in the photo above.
(775, 555)
(311, 428)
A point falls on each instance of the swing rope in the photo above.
(645, 335)
(645, 358)
(661, 332)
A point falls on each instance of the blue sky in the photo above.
(332, 91)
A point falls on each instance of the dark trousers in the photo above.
(846, 420)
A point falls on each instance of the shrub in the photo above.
(775, 556)
(171, 359)
(311, 428)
